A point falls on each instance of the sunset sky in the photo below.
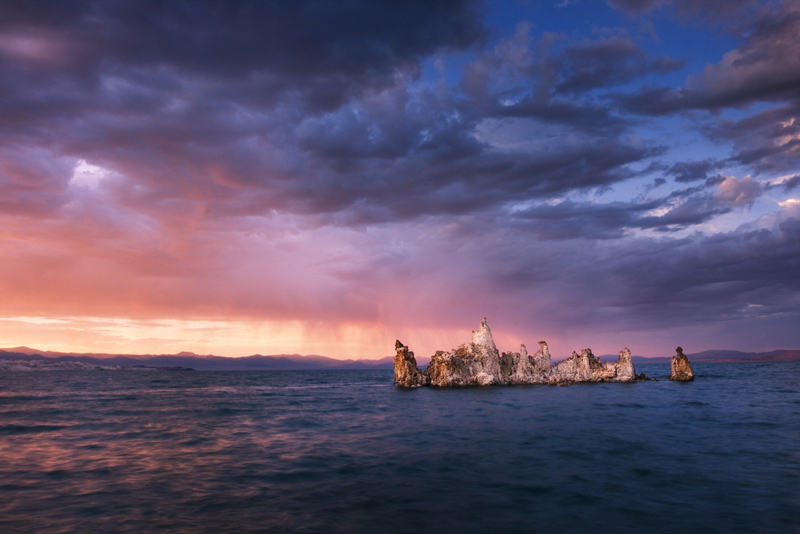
(324, 177)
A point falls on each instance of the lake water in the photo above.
(346, 451)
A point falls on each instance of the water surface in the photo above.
(346, 451)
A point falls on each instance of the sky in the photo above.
(324, 177)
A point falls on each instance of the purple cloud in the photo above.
(372, 163)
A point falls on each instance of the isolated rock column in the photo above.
(680, 369)
(626, 372)
(406, 372)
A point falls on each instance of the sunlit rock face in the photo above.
(541, 360)
(586, 367)
(406, 372)
(679, 367)
(624, 369)
(480, 364)
(583, 367)
(472, 364)
(518, 367)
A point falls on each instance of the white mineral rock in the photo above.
(680, 368)
(480, 364)
(406, 372)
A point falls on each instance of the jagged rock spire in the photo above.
(483, 337)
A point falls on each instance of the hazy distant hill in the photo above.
(201, 363)
(718, 356)
(736, 356)
(258, 362)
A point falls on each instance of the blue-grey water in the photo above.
(346, 451)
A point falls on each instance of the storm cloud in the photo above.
(379, 163)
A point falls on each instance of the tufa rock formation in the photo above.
(406, 372)
(679, 367)
(480, 364)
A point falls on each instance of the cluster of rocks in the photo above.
(479, 363)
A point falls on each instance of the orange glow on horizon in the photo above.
(232, 338)
(237, 338)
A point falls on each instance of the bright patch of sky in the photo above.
(87, 175)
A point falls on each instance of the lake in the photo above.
(347, 451)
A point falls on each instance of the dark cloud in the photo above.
(572, 220)
(690, 171)
(311, 142)
(612, 61)
(393, 124)
(768, 141)
(791, 183)
(169, 73)
(635, 6)
(723, 273)
(766, 67)
(305, 46)
(310, 107)
(676, 211)
(32, 184)
(486, 180)
(184, 136)
(549, 80)
(705, 10)
(195, 102)
(646, 283)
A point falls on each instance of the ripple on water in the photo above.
(12, 429)
(348, 452)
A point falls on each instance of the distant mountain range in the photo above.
(257, 362)
(721, 356)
